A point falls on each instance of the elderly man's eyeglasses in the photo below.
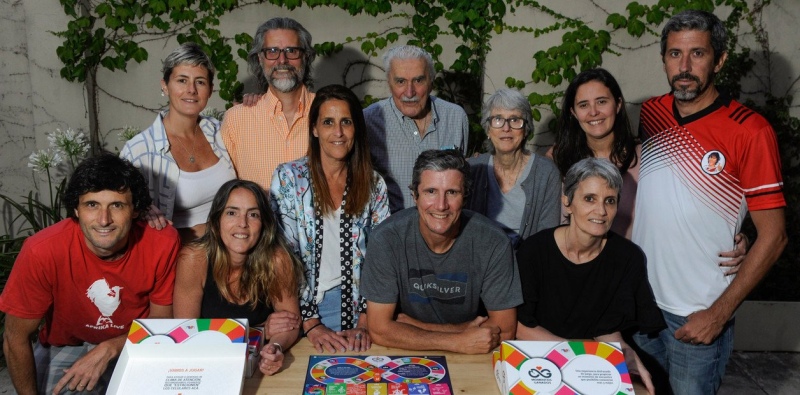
(273, 53)
(513, 122)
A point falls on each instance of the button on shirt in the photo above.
(258, 138)
(395, 142)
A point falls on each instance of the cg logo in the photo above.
(539, 372)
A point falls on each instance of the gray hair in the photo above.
(440, 160)
(408, 52)
(280, 23)
(511, 100)
(591, 167)
(697, 20)
(191, 54)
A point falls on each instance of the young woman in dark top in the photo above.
(242, 268)
(581, 281)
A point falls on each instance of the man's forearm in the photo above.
(113, 346)
(21, 365)
(410, 337)
(431, 327)
(753, 269)
(762, 255)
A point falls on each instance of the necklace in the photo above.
(183, 146)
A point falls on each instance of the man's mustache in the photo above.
(685, 76)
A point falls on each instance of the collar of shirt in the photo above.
(274, 106)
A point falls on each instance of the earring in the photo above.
(162, 93)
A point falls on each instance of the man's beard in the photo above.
(689, 94)
(289, 84)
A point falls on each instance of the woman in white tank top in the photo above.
(181, 154)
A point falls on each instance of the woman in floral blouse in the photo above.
(327, 203)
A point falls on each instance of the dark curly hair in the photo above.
(106, 172)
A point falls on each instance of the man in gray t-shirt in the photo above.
(440, 268)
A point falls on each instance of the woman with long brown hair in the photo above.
(335, 193)
(242, 268)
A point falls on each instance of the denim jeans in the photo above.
(693, 369)
(330, 309)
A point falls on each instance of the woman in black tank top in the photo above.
(242, 268)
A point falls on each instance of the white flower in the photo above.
(73, 145)
(44, 159)
(127, 133)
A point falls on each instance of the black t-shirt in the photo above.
(607, 294)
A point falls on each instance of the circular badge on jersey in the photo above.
(713, 162)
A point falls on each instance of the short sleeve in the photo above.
(29, 292)
(379, 281)
(165, 267)
(501, 286)
(761, 171)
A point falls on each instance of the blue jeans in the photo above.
(330, 309)
(693, 369)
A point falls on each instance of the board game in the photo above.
(377, 375)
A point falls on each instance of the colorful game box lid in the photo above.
(182, 356)
(562, 368)
(377, 375)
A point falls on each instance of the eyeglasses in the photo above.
(513, 122)
(273, 53)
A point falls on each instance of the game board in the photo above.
(377, 375)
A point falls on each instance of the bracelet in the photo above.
(312, 328)
(278, 346)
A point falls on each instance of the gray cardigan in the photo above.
(542, 191)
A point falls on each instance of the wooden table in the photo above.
(469, 374)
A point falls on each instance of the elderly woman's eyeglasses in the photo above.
(513, 122)
(273, 53)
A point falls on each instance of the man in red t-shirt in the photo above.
(89, 276)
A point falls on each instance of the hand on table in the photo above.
(477, 339)
(325, 339)
(357, 339)
(271, 359)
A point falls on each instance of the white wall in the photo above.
(35, 100)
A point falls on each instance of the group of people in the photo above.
(293, 213)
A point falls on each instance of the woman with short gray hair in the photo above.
(583, 281)
(509, 179)
(181, 154)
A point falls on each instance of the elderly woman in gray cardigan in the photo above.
(515, 188)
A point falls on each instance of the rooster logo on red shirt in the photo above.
(105, 298)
